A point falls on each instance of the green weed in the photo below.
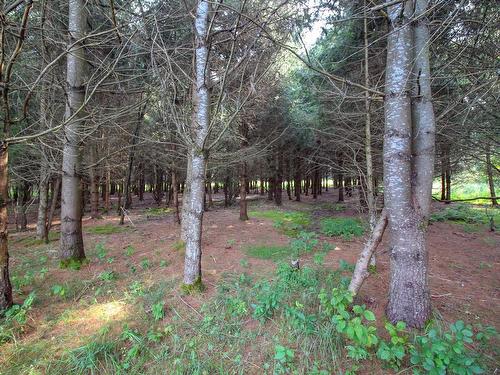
(345, 227)
(105, 229)
(270, 252)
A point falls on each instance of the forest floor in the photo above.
(124, 312)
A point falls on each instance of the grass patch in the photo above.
(345, 227)
(158, 211)
(270, 252)
(288, 222)
(33, 241)
(105, 229)
(471, 217)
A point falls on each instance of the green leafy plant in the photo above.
(393, 351)
(304, 243)
(59, 290)
(283, 358)
(108, 276)
(345, 227)
(129, 250)
(145, 263)
(101, 251)
(158, 310)
(437, 354)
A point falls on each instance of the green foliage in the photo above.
(158, 211)
(196, 287)
(304, 243)
(283, 358)
(145, 263)
(91, 357)
(101, 251)
(59, 290)
(15, 319)
(108, 276)
(129, 250)
(463, 214)
(394, 351)
(271, 252)
(105, 229)
(158, 310)
(73, 263)
(20, 282)
(179, 246)
(290, 223)
(446, 353)
(346, 227)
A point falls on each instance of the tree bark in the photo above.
(361, 269)
(424, 123)
(71, 245)
(489, 172)
(243, 129)
(408, 291)
(94, 183)
(56, 188)
(43, 197)
(201, 97)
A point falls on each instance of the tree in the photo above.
(407, 198)
(71, 245)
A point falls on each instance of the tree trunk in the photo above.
(71, 245)
(408, 291)
(5, 285)
(489, 172)
(361, 269)
(201, 121)
(56, 187)
(243, 130)
(278, 185)
(106, 188)
(424, 123)
(298, 179)
(175, 197)
(43, 197)
(94, 183)
(340, 181)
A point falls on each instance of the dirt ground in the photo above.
(464, 265)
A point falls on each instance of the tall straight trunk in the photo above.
(297, 178)
(56, 188)
(278, 183)
(443, 180)
(408, 290)
(94, 183)
(210, 193)
(424, 123)
(107, 185)
(5, 284)
(201, 98)
(71, 245)
(22, 199)
(186, 190)
(489, 173)
(340, 181)
(370, 195)
(43, 197)
(243, 130)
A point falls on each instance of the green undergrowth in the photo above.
(157, 211)
(345, 227)
(105, 229)
(296, 321)
(33, 241)
(290, 223)
(472, 218)
(271, 252)
(302, 244)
